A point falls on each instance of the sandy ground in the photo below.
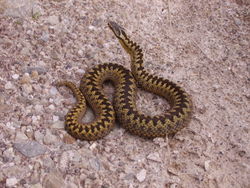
(202, 45)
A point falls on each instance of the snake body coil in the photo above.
(124, 108)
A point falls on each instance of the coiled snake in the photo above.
(124, 108)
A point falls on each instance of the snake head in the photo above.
(117, 30)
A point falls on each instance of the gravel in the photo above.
(202, 45)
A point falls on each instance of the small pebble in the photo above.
(92, 146)
(10, 182)
(49, 138)
(20, 136)
(67, 139)
(39, 108)
(45, 37)
(34, 118)
(51, 107)
(172, 170)
(64, 161)
(34, 74)
(4, 108)
(95, 164)
(75, 156)
(129, 176)
(73, 36)
(29, 131)
(216, 86)
(30, 148)
(15, 76)
(29, 32)
(55, 118)
(141, 175)
(91, 27)
(54, 180)
(80, 71)
(48, 162)
(36, 11)
(207, 165)
(53, 91)
(9, 154)
(35, 176)
(161, 142)
(25, 51)
(53, 20)
(80, 52)
(154, 157)
(38, 136)
(173, 185)
(58, 125)
(8, 85)
(25, 79)
(73, 185)
(27, 88)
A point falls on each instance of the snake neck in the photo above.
(136, 56)
(133, 49)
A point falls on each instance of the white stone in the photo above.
(55, 118)
(154, 157)
(53, 20)
(91, 27)
(29, 32)
(8, 85)
(39, 107)
(15, 76)
(53, 91)
(80, 71)
(141, 175)
(10, 182)
(27, 88)
(207, 165)
(51, 107)
(93, 146)
(25, 78)
(64, 161)
(45, 37)
(34, 118)
(95, 164)
(80, 52)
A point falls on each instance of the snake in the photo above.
(123, 107)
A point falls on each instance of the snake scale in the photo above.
(124, 104)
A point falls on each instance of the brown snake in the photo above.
(126, 83)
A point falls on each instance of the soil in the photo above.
(201, 45)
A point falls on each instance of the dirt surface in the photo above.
(202, 45)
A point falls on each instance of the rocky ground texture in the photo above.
(202, 45)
